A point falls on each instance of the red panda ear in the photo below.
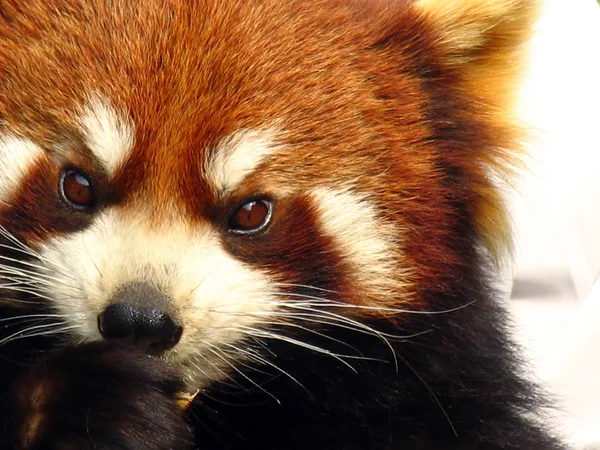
(469, 26)
(484, 40)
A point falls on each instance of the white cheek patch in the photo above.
(17, 157)
(216, 298)
(107, 133)
(237, 156)
(365, 242)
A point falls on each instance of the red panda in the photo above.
(288, 206)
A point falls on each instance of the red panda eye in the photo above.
(76, 189)
(251, 217)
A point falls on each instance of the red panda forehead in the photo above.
(175, 86)
(179, 62)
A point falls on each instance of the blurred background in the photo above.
(555, 296)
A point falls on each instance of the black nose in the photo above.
(136, 318)
(149, 329)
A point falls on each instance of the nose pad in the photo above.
(136, 315)
(151, 330)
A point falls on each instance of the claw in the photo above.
(185, 399)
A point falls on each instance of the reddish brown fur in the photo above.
(377, 91)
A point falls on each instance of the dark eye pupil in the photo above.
(250, 216)
(77, 189)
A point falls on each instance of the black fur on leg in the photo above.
(96, 396)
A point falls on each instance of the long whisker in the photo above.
(271, 335)
(435, 398)
(26, 332)
(208, 361)
(315, 318)
(358, 325)
(321, 302)
(240, 359)
(35, 316)
(32, 283)
(62, 270)
(8, 235)
(252, 355)
(334, 319)
(27, 291)
(323, 335)
(29, 264)
(25, 249)
(12, 301)
(320, 317)
(214, 350)
(304, 286)
(40, 333)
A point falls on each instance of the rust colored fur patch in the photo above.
(399, 100)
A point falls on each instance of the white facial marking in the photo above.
(17, 157)
(237, 156)
(215, 297)
(365, 241)
(108, 134)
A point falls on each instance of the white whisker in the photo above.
(27, 291)
(29, 329)
(321, 302)
(252, 355)
(267, 334)
(21, 247)
(215, 351)
(35, 316)
(358, 324)
(29, 264)
(49, 332)
(214, 366)
(305, 286)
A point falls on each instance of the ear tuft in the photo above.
(485, 41)
(473, 29)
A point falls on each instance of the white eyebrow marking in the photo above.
(17, 157)
(236, 156)
(108, 134)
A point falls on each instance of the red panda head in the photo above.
(216, 167)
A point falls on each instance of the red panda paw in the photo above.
(98, 396)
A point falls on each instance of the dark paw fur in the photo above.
(97, 396)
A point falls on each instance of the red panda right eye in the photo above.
(76, 189)
(252, 216)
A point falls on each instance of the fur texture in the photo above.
(286, 205)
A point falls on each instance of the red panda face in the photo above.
(215, 169)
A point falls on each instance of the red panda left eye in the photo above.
(77, 189)
(252, 216)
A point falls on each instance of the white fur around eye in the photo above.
(107, 132)
(236, 157)
(17, 157)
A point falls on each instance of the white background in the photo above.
(557, 215)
